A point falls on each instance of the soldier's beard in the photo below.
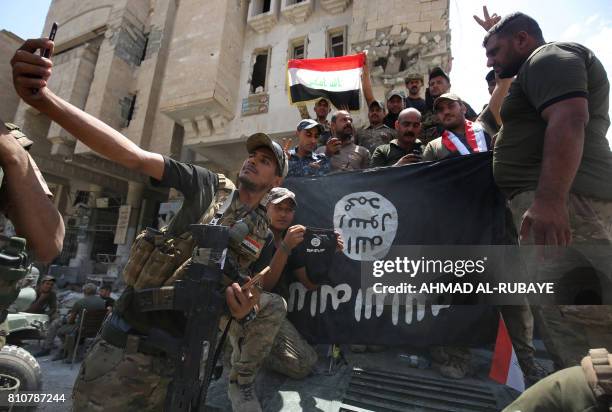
(249, 186)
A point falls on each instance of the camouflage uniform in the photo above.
(115, 378)
(569, 331)
(574, 389)
(373, 136)
(431, 127)
(291, 355)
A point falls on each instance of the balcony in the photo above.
(263, 15)
(296, 12)
(335, 6)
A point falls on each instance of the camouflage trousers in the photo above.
(569, 331)
(585, 267)
(56, 328)
(519, 322)
(252, 343)
(291, 355)
(564, 391)
(111, 379)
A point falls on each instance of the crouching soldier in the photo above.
(123, 371)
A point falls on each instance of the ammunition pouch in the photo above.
(13, 268)
(597, 367)
(157, 259)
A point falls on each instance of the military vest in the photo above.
(157, 259)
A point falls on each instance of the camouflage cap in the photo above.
(446, 96)
(414, 76)
(437, 72)
(377, 103)
(263, 140)
(396, 92)
(278, 194)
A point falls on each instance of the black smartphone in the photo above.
(47, 52)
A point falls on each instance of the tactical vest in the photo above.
(157, 259)
(597, 368)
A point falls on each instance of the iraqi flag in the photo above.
(336, 78)
(505, 368)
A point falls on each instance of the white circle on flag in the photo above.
(368, 223)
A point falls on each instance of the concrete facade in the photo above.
(9, 42)
(177, 78)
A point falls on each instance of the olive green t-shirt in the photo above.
(554, 72)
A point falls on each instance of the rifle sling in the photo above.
(131, 342)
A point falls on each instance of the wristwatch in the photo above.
(248, 318)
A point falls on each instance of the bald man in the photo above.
(407, 147)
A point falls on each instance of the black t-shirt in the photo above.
(110, 302)
(418, 104)
(198, 186)
(294, 261)
(390, 119)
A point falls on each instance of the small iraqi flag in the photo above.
(505, 368)
(336, 78)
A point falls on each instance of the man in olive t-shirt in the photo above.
(553, 161)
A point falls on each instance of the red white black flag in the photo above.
(505, 368)
(336, 78)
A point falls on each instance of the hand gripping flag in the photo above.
(336, 78)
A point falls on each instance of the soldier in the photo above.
(407, 147)
(580, 388)
(65, 330)
(25, 199)
(439, 84)
(321, 109)
(303, 161)
(345, 154)
(453, 140)
(553, 162)
(414, 83)
(105, 293)
(377, 133)
(394, 101)
(46, 299)
(291, 355)
(123, 362)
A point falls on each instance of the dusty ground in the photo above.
(58, 378)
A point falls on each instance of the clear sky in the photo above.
(25, 18)
(586, 21)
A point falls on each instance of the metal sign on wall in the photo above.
(255, 104)
(123, 222)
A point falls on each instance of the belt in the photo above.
(129, 341)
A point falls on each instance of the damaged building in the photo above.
(192, 79)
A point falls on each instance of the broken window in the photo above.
(130, 112)
(266, 6)
(260, 70)
(336, 44)
(144, 49)
(298, 49)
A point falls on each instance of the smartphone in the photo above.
(47, 52)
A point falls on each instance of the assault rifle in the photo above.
(200, 295)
